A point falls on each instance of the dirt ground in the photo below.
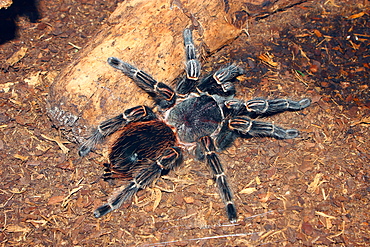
(309, 191)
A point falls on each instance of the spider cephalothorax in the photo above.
(200, 116)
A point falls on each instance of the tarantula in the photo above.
(200, 116)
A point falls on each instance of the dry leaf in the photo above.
(36, 223)
(258, 180)
(365, 120)
(328, 223)
(265, 197)
(17, 191)
(317, 33)
(50, 76)
(6, 86)
(307, 228)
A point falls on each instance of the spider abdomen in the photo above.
(195, 117)
(139, 144)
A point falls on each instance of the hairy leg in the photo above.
(164, 96)
(193, 67)
(220, 83)
(261, 106)
(108, 127)
(207, 147)
(246, 126)
(170, 159)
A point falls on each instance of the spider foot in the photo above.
(103, 210)
(94, 139)
(231, 212)
(220, 83)
(299, 105)
(104, 129)
(226, 74)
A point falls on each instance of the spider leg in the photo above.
(171, 158)
(261, 106)
(164, 96)
(246, 126)
(108, 127)
(208, 148)
(225, 137)
(193, 67)
(220, 83)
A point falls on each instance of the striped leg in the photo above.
(220, 82)
(207, 146)
(170, 159)
(108, 127)
(162, 94)
(193, 66)
(261, 106)
(246, 126)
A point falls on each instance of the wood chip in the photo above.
(358, 15)
(5, 3)
(16, 228)
(267, 59)
(315, 184)
(248, 190)
(73, 191)
(59, 142)
(21, 157)
(157, 193)
(189, 199)
(55, 199)
(325, 215)
(33, 79)
(17, 56)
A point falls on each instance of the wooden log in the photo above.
(147, 34)
(5, 4)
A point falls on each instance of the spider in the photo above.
(200, 117)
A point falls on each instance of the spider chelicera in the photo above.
(200, 116)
